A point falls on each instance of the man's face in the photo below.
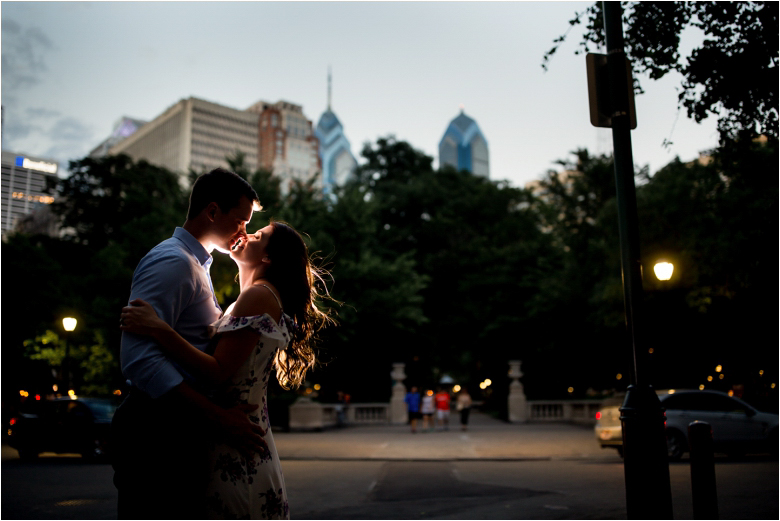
(229, 227)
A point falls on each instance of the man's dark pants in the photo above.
(160, 459)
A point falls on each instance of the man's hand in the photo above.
(240, 432)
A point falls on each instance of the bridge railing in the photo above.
(307, 414)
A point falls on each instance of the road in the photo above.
(65, 487)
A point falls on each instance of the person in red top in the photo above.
(442, 399)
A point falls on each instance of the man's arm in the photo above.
(168, 282)
(238, 430)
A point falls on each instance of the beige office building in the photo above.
(194, 134)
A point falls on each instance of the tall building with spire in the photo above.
(464, 147)
(338, 163)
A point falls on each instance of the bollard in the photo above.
(705, 497)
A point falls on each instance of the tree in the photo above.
(112, 210)
(716, 220)
(582, 288)
(731, 74)
(478, 242)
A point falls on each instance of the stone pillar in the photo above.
(518, 405)
(398, 413)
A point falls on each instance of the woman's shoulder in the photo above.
(256, 300)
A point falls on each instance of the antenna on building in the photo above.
(462, 107)
(329, 87)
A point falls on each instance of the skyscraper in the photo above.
(193, 134)
(123, 128)
(338, 163)
(287, 145)
(464, 147)
(23, 186)
(197, 134)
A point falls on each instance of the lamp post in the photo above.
(69, 324)
(648, 488)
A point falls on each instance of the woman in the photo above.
(427, 409)
(464, 407)
(270, 326)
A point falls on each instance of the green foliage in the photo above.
(445, 271)
(732, 74)
(95, 361)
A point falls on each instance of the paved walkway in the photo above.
(485, 439)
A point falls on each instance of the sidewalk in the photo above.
(485, 439)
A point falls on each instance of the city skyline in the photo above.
(72, 70)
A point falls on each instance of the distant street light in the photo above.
(663, 270)
(69, 324)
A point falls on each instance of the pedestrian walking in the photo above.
(427, 408)
(413, 407)
(463, 405)
(442, 399)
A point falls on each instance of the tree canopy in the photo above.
(445, 271)
(731, 74)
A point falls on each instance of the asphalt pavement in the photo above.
(486, 438)
(492, 470)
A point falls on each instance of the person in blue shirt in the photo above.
(162, 430)
(413, 406)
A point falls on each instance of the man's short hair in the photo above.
(223, 187)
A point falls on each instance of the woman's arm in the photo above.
(232, 349)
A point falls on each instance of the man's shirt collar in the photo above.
(195, 247)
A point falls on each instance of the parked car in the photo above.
(737, 428)
(63, 425)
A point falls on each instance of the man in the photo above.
(413, 407)
(443, 408)
(162, 429)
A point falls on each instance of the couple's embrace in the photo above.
(192, 440)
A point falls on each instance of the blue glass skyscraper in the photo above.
(338, 163)
(464, 147)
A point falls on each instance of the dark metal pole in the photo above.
(648, 490)
(704, 492)
(67, 364)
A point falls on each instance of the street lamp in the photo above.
(663, 270)
(648, 487)
(69, 324)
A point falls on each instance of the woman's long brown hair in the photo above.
(298, 281)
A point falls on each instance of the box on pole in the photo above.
(601, 110)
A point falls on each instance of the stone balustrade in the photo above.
(308, 414)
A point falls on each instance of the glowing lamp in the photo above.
(663, 270)
(69, 323)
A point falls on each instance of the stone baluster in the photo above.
(398, 413)
(517, 403)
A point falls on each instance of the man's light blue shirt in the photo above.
(174, 278)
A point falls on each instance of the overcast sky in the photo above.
(70, 70)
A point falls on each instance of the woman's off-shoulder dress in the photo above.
(241, 488)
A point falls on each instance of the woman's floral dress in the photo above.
(242, 488)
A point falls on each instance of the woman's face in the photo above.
(253, 250)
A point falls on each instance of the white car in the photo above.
(737, 428)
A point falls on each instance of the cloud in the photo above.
(15, 129)
(40, 112)
(23, 55)
(70, 129)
